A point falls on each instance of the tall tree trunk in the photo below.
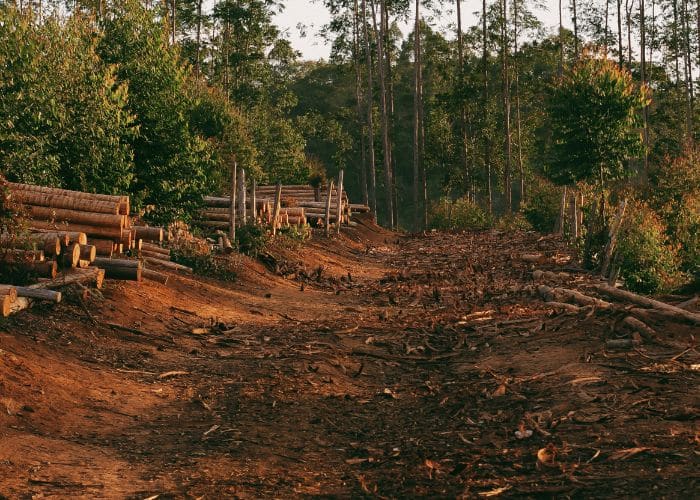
(463, 108)
(628, 11)
(173, 7)
(416, 122)
(560, 69)
(575, 20)
(379, 35)
(198, 62)
(518, 130)
(606, 31)
(390, 104)
(358, 99)
(487, 141)
(675, 42)
(620, 54)
(688, 72)
(507, 187)
(645, 111)
(370, 118)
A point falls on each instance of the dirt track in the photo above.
(404, 369)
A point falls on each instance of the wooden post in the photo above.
(328, 208)
(562, 213)
(612, 241)
(276, 212)
(339, 218)
(241, 196)
(573, 214)
(232, 203)
(253, 201)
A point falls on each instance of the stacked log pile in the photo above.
(84, 236)
(295, 205)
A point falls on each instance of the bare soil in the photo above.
(368, 365)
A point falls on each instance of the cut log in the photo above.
(65, 236)
(106, 263)
(50, 244)
(149, 274)
(46, 269)
(122, 200)
(150, 247)
(147, 233)
(214, 224)
(12, 255)
(91, 275)
(103, 248)
(670, 312)
(155, 255)
(71, 255)
(88, 252)
(167, 264)
(74, 216)
(66, 202)
(96, 231)
(6, 305)
(39, 294)
(9, 291)
(120, 269)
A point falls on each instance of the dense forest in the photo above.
(501, 123)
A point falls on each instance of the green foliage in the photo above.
(513, 222)
(297, 234)
(221, 267)
(252, 239)
(458, 214)
(174, 166)
(281, 147)
(647, 263)
(542, 207)
(593, 113)
(65, 120)
(675, 195)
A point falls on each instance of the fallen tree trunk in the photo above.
(120, 269)
(669, 311)
(155, 255)
(566, 294)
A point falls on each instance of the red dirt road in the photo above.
(403, 369)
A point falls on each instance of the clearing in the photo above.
(377, 365)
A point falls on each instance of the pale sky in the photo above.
(313, 15)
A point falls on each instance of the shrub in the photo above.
(459, 214)
(513, 222)
(542, 206)
(252, 239)
(648, 264)
(675, 194)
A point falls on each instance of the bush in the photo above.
(252, 239)
(513, 222)
(648, 264)
(459, 214)
(675, 194)
(542, 206)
